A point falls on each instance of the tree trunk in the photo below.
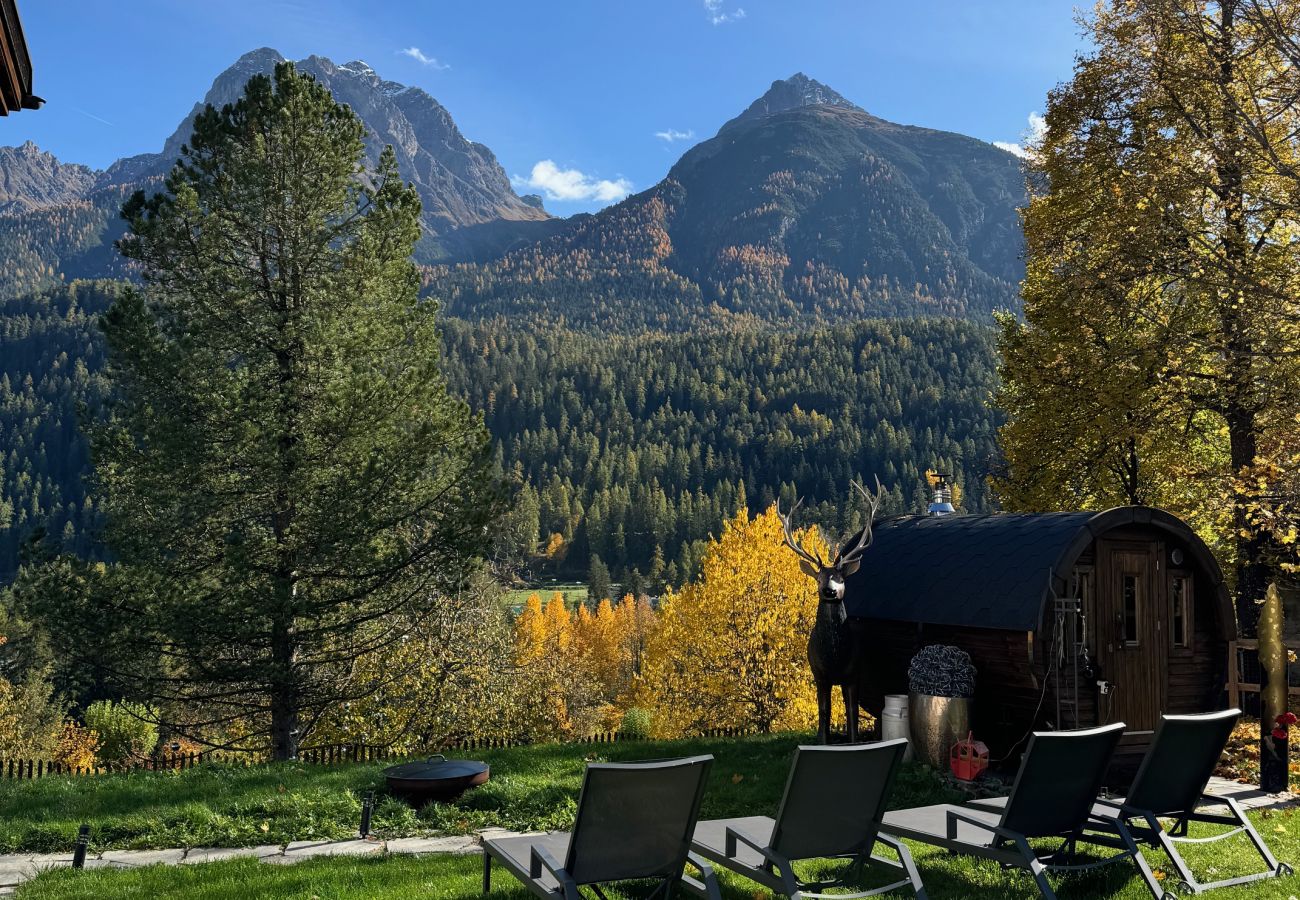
(284, 694)
(1240, 401)
(1252, 573)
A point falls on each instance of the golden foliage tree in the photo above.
(77, 746)
(1159, 354)
(578, 668)
(543, 639)
(731, 648)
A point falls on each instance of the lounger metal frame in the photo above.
(777, 871)
(1011, 847)
(1190, 744)
(541, 861)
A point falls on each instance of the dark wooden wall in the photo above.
(1010, 697)
(1007, 689)
(1197, 674)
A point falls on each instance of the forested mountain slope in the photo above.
(621, 446)
(629, 444)
(51, 365)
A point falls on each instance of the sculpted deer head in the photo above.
(830, 577)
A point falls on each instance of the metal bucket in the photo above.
(937, 724)
(894, 723)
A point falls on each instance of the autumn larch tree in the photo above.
(731, 649)
(1159, 359)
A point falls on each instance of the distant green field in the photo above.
(574, 593)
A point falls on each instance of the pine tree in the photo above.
(598, 586)
(284, 470)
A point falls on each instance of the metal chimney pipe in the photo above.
(941, 505)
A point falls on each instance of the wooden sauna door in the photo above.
(1132, 633)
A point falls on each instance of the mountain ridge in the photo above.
(32, 178)
(794, 92)
(804, 206)
(58, 220)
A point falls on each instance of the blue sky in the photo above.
(608, 93)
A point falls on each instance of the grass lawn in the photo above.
(458, 878)
(531, 787)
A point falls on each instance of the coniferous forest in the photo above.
(630, 448)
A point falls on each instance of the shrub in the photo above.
(125, 734)
(942, 671)
(636, 724)
(30, 718)
(77, 746)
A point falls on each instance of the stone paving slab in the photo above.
(16, 869)
(13, 866)
(494, 831)
(216, 854)
(51, 859)
(305, 849)
(460, 845)
(131, 859)
(1249, 795)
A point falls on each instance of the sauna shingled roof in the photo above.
(988, 571)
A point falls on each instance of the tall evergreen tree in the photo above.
(284, 469)
(598, 584)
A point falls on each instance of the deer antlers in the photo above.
(842, 557)
(811, 559)
(864, 540)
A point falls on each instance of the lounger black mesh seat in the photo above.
(833, 803)
(1052, 797)
(634, 821)
(1170, 784)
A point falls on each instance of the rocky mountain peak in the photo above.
(794, 92)
(32, 178)
(460, 182)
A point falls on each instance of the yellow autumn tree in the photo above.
(730, 650)
(637, 621)
(600, 647)
(543, 652)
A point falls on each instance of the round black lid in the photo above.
(437, 767)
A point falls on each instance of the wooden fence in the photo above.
(329, 755)
(1243, 662)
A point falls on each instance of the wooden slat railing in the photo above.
(326, 755)
(1237, 687)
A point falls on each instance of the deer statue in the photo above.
(833, 651)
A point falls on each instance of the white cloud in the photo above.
(718, 16)
(1037, 129)
(418, 55)
(672, 134)
(572, 185)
